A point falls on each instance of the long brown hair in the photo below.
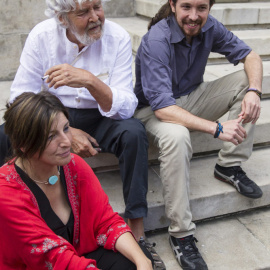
(28, 122)
(166, 11)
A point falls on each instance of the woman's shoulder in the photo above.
(14, 191)
(8, 175)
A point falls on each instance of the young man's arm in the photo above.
(233, 131)
(251, 106)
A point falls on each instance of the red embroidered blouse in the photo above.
(26, 240)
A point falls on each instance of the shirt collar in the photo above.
(178, 34)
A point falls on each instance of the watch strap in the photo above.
(259, 93)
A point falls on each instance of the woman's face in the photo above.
(57, 151)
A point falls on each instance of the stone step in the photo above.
(237, 242)
(208, 197)
(258, 39)
(227, 13)
(213, 72)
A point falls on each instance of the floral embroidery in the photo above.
(102, 239)
(62, 249)
(49, 265)
(122, 226)
(35, 249)
(73, 197)
(48, 244)
(110, 230)
(13, 175)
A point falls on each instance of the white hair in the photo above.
(59, 8)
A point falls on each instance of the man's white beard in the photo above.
(85, 39)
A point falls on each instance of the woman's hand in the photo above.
(127, 245)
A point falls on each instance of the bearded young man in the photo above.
(85, 60)
(173, 99)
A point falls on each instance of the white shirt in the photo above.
(110, 58)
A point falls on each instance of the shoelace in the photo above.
(188, 246)
(241, 175)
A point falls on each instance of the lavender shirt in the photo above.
(167, 67)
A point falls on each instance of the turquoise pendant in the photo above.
(53, 179)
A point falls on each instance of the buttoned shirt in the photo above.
(109, 59)
(168, 67)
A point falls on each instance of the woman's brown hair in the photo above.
(28, 122)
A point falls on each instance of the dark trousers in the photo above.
(126, 139)
(110, 260)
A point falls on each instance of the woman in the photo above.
(53, 211)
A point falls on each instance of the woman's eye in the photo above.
(66, 129)
(51, 137)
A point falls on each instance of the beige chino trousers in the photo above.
(210, 101)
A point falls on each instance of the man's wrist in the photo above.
(255, 90)
(219, 129)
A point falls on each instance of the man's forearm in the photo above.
(254, 70)
(100, 92)
(176, 115)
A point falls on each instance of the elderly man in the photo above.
(170, 65)
(85, 60)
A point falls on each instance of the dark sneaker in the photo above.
(238, 178)
(187, 254)
(158, 264)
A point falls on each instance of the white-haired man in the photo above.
(85, 60)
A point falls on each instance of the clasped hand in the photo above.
(251, 108)
(233, 131)
(66, 75)
(82, 143)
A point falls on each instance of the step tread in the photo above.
(251, 12)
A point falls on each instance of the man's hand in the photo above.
(233, 131)
(68, 75)
(251, 108)
(82, 143)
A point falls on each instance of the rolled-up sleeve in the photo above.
(156, 73)
(120, 81)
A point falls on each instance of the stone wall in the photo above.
(18, 17)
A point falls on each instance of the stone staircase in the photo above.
(210, 199)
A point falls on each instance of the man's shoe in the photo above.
(187, 254)
(238, 178)
(158, 264)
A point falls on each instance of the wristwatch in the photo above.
(259, 93)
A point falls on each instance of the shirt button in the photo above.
(80, 91)
(78, 99)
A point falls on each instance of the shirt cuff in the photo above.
(122, 106)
